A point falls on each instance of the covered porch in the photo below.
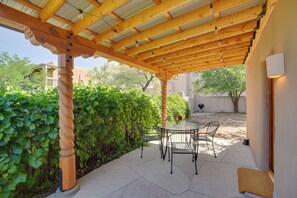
(165, 38)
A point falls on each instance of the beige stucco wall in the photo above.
(280, 35)
(218, 103)
(81, 74)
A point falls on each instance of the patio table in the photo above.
(171, 128)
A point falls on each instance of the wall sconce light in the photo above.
(275, 65)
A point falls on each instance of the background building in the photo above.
(79, 74)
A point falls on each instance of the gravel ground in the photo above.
(233, 125)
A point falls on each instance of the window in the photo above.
(50, 83)
(50, 73)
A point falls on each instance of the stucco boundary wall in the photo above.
(214, 104)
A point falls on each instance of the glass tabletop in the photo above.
(183, 125)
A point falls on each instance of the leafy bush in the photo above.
(104, 118)
(177, 106)
(28, 141)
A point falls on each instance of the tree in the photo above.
(123, 76)
(20, 73)
(100, 74)
(230, 80)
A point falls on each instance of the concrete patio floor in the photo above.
(133, 177)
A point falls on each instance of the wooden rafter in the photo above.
(57, 17)
(141, 17)
(225, 38)
(106, 8)
(212, 58)
(47, 33)
(157, 2)
(237, 18)
(187, 18)
(206, 38)
(238, 57)
(211, 47)
(192, 16)
(38, 9)
(206, 67)
(201, 55)
(112, 14)
(49, 9)
(270, 5)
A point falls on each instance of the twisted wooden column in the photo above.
(67, 157)
(164, 101)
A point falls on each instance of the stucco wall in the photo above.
(279, 35)
(218, 103)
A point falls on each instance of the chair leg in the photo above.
(171, 162)
(164, 153)
(141, 150)
(214, 152)
(196, 156)
(207, 145)
(169, 154)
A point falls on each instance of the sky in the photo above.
(15, 43)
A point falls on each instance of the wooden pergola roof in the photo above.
(165, 37)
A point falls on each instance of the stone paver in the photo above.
(149, 177)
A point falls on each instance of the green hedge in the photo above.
(104, 118)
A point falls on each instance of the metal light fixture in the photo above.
(275, 65)
(211, 10)
(216, 30)
(80, 14)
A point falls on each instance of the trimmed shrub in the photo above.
(104, 118)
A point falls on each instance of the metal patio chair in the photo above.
(207, 133)
(184, 142)
(146, 135)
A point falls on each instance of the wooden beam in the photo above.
(206, 38)
(211, 47)
(205, 63)
(163, 27)
(235, 57)
(219, 55)
(157, 2)
(206, 67)
(141, 17)
(270, 5)
(192, 16)
(106, 8)
(38, 9)
(49, 9)
(233, 19)
(206, 60)
(12, 25)
(192, 64)
(57, 17)
(202, 54)
(95, 3)
(48, 33)
(224, 5)
(112, 14)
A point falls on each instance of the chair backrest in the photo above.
(185, 136)
(212, 128)
(183, 139)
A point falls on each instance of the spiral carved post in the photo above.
(164, 101)
(67, 156)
